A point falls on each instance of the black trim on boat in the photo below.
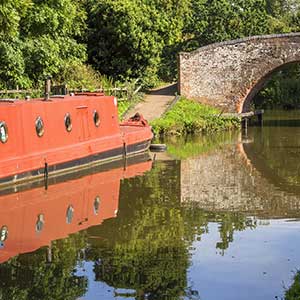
(106, 158)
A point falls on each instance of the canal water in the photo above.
(216, 217)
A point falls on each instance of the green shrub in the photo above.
(189, 116)
(80, 76)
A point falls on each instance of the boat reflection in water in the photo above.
(32, 218)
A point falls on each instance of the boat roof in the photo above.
(56, 98)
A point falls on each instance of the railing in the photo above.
(122, 93)
(125, 95)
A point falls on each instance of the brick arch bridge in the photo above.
(229, 74)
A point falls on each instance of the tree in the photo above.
(39, 38)
(127, 37)
(214, 21)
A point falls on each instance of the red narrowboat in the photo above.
(59, 134)
(32, 218)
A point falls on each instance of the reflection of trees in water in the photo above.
(276, 150)
(230, 223)
(143, 248)
(153, 261)
(32, 276)
(147, 248)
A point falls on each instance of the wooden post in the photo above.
(65, 89)
(49, 254)
(245, 125)
(47, 88)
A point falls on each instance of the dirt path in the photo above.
(155, 103)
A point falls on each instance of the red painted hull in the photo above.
(21, 211)
(25, 154)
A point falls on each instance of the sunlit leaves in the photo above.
(220, 20)
(38, 38)
(11, 12)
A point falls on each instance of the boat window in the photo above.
(3, 132)
(68, 122)
(96, 118)
(40, 223)
(39, 126)
(96, 205)
(69, 214)
(3, 233)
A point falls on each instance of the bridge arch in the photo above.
(229, 74)
(260, 84)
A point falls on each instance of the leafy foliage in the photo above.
(214, 21)
(38, 38)
(127, 38)
(12, 70)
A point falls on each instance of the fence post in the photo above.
(47, 88)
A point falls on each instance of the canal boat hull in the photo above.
(46, 138)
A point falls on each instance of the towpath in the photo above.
(155, 103)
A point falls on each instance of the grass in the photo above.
(188, 116)
(125, 104)
(293, 293)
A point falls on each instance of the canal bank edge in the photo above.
(187, 116)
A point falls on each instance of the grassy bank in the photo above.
(188, 116)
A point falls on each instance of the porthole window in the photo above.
(40, 223)
(69, 214)
(3, 233)
(68, 122)
(96, 118)
(39, 126)
(3, 132)
(96, 205)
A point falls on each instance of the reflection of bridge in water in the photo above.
(227, 179)
(32, 218)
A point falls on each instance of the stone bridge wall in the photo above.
(229, 74)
